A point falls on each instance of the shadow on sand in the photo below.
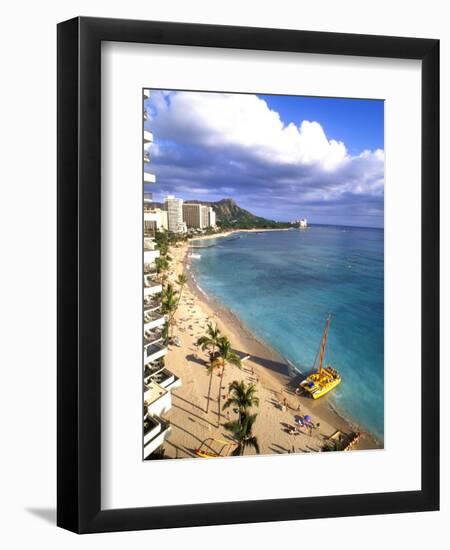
(194, 359)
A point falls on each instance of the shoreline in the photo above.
(285, 374)
(275, 378)
(234, 231)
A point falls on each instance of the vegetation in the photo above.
(161, 264)
(242, 432)
(181, 281)
(209, 343)
(225, 355)
(169, 303)
(242, 397)
(165, 333)
(164, 239)
(231, 216)
(220, 353)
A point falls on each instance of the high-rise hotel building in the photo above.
(211, 217)
(174, 208)
(198, 216)
(158, 381)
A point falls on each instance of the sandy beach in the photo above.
(275, 380)
(233, 231)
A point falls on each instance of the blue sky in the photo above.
(282, 157)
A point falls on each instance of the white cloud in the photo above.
(218, 143)
(245, 122)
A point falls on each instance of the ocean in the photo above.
(283, 285)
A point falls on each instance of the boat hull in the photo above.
(319, 384)
(324, 390)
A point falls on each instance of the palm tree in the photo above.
(242, 397)
(210, 342)
(161, 264)
(169, 301)
(165, 333)
(225, 355)
(181, 281)
(242, 432)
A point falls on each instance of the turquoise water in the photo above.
(283, 284)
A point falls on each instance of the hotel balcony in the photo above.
(148, 137)
(153, 352)
(146, 93)
(151, 303)
(151, 369)
(149, 178)
(157, 400)
(167, 380)
(149, 268)
(151, 287)
(146, 156)
(149, 243)
(152, 336)
(156, 431)
(153, 319)
(150, 256)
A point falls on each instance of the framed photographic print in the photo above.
(248, 256)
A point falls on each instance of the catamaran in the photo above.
(319, 383)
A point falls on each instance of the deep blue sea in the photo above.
(283, 285)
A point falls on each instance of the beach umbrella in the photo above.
(307, 418)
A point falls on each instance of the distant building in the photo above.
(148, 200)
(196, 215)
(204, 216)
(155, 220)
(302, 222)
(192, 215)
(211, 217)
(174, 208)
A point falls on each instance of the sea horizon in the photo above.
(301, 276)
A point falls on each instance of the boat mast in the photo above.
(324, 341)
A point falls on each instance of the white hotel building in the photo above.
(158, 381)
(174, 208)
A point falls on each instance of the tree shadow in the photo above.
(181, 449)
(282, 449)
(188, 402)
(195, 415)
(276, 451)
(194, 359)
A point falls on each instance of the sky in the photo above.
(281, 157)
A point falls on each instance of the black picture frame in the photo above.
(79, 280)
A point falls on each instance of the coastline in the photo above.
(275, 378)
(233, 232)
(280, 372)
